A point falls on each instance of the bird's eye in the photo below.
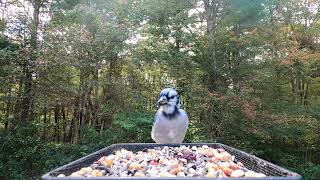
(171, 97)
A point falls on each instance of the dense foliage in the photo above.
(79, 75)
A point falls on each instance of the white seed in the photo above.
(111, 157)
(224, 165)
(237, 173)
(254, 174)
(61, 175)
(152, 172)
(183, 160)
(181, 174)
(211, 174)
(75, 174)
(86, 169)
(191, 171)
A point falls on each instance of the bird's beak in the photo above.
(162, 102)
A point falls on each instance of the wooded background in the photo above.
(79, 75)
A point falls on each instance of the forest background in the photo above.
(79, 75)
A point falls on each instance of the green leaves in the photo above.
(101, 64)
(135, 125)
(245, 13)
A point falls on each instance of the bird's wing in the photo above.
(181, 126)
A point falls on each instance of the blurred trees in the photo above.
(80, 75)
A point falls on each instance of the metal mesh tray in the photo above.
(254, 163)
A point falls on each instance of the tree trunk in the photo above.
(305, 94)
(8, 109)
(293, 87)
(96, 104)
(301, 92)
(27, 99)
(44, 133)
(57, 121)
(73, 125)
(82, 103)
(17, 108)
(211, 8)
(109, 94)
(64, 123)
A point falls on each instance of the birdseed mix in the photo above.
(167, 161)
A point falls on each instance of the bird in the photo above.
(170, 122)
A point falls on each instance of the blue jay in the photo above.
(171, 122)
